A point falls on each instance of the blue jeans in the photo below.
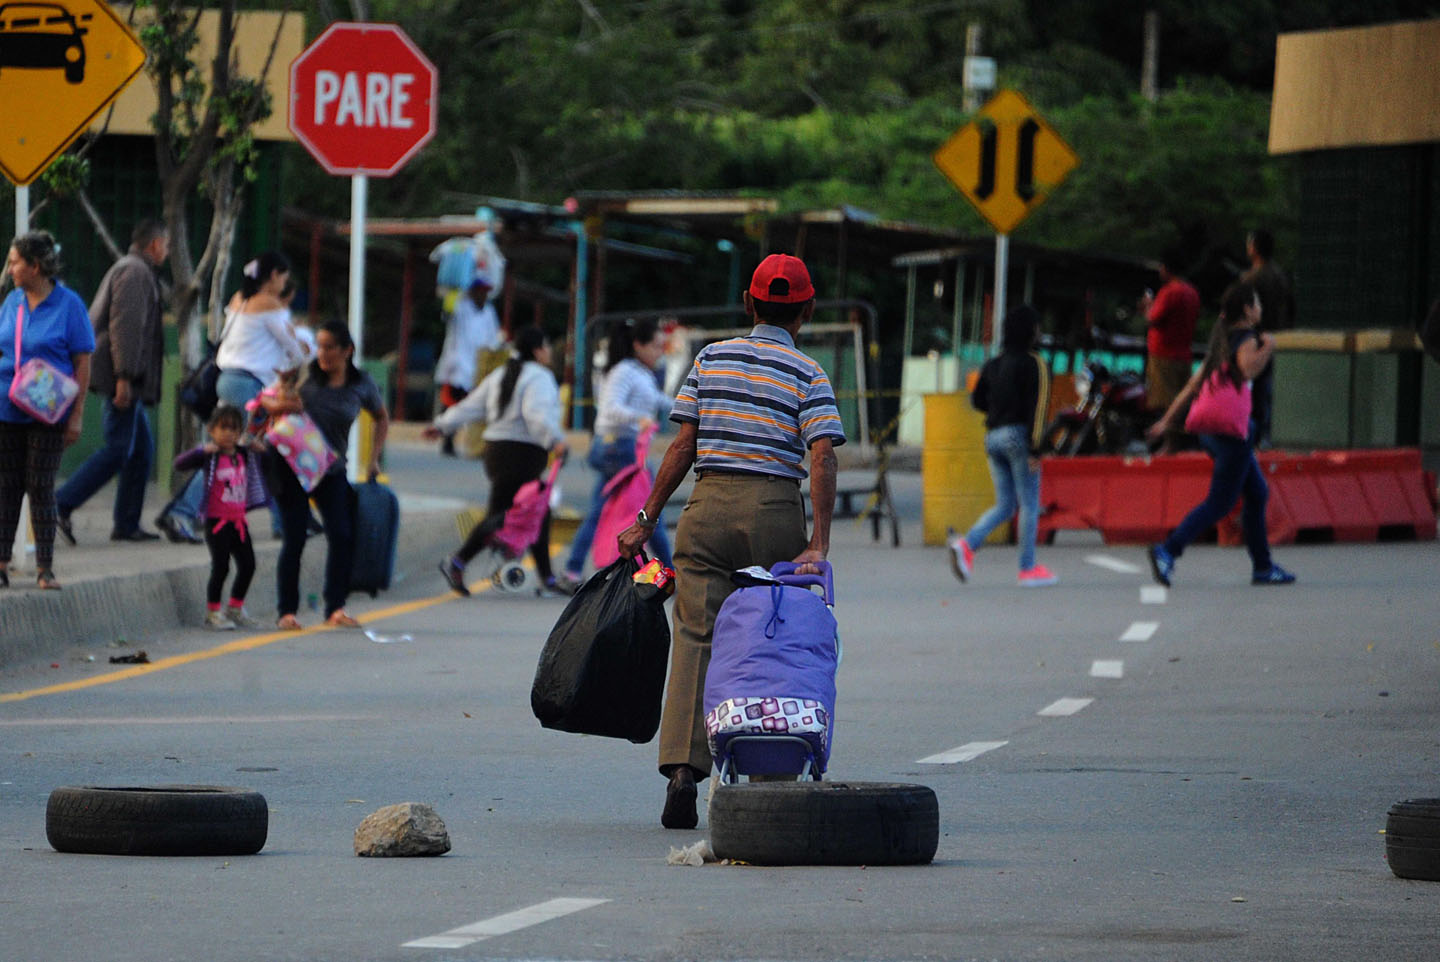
(1008, 450)
(608, 460)
(1236, 474)
(334, 498)
(236, 387)
(128, 451)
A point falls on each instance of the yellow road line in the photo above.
(230, 648)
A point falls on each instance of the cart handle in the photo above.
(825, 580)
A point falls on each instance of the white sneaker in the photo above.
(216, 621)
(240, 618)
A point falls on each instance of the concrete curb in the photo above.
(138, 604)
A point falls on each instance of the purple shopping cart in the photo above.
(770, 688)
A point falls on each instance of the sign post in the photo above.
(363, 101)
(1005, 161)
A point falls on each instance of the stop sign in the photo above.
(362, 98)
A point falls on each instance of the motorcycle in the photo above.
(1110, 418)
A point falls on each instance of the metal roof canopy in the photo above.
(1094, 270)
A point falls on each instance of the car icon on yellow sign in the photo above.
(43, 36)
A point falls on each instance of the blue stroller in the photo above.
(770, 688)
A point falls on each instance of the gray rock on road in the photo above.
(398, 831)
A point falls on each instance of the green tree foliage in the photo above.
(821, 102)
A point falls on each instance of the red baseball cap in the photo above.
(781, 279)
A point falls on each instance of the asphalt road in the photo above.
(1203, 776)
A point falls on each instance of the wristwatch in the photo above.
(644, 520)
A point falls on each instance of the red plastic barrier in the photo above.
(1328, 495)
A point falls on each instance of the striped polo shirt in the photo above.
(758, 404)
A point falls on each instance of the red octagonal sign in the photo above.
(363, 98)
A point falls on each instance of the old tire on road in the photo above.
(1412, 839)
(825, 823)
(159, 820)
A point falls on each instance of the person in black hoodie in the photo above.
(1014, 392)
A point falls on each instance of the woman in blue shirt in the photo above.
(55, 326)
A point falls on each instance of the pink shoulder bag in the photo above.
(39, 388)
(1220, 408)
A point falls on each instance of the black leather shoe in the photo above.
(139, 534)
(62, 524)
(680, 797)
(177, 530)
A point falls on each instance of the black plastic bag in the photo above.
(602, 671)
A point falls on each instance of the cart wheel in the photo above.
(512, 576)
(825, 823)
(161, 820)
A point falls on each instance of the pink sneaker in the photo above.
(962, 556)
(1037, 577)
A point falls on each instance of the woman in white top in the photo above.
(258, 339)
(520, 405)
(630, 400)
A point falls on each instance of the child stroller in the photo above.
(770, 688)
(518, 531)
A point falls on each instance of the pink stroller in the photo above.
(625, 494)
(519, 530)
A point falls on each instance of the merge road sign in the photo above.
(1006, 161)
(61, 63)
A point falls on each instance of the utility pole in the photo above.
(1149, 63)
(974, 92)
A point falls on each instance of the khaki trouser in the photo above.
(731, 521)
(1165, 378)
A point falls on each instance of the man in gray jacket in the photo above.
(125, 372)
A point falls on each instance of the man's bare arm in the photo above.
(822, 504)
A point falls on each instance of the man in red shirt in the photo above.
(1169, 337)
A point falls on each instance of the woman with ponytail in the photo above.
(520, 405)
(333, 394)
(1238, 352)
(257, 342)
(630, 400)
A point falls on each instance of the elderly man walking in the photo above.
(125, 372)
(749, 411)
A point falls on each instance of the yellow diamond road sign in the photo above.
(1006, 161)
(61, 63)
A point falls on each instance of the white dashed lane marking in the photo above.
(1152, 595)
(967, 752)
(1064, 706)
(503, 924)
(1140, 631)
(1112, 564)
(1107, 669)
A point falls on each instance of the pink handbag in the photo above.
(296, 439)
(1220, 408)
(39, 388)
